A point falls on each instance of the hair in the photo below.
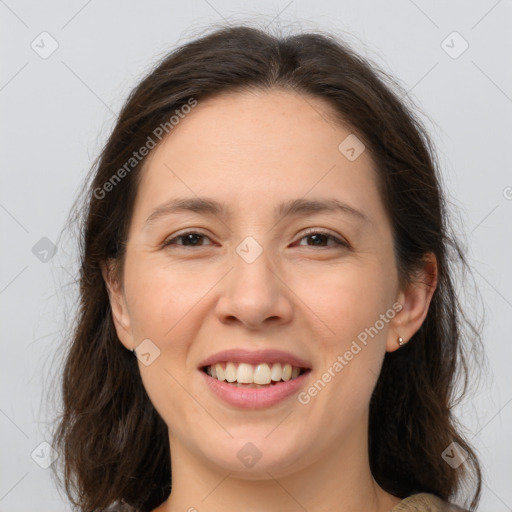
(114, 445)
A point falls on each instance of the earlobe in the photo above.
(120, 314)
(415, 300)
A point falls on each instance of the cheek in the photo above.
(346, 299)
(159, 297)
(163, 308)
(349, 304)
(340, 306)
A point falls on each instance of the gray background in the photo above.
(57, 111)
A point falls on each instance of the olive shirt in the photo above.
(425, 502)
(422, 502)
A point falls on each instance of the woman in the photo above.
(268, 318)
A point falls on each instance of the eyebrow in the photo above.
(294, 207)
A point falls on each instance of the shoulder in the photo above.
(425, 502)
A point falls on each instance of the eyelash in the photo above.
(170, 242)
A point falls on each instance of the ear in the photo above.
(415, 299)
(120, 313)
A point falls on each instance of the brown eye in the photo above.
(190, 239)
(319, 237)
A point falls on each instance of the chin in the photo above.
(255, 459)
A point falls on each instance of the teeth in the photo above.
(230, 372)
(261, 374)
(244, 374)
(277, 372)
(219, 372)
(287, 372)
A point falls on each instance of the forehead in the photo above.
(247, 147)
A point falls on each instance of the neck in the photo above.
(338, 480)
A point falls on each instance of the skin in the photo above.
(252, 151)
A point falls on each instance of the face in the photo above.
(310, 285)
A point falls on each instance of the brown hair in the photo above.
(113, 443)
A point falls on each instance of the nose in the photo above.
(255, 295)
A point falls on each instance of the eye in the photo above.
(190, 239)
(318, 236)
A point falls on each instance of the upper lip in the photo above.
(240, 355)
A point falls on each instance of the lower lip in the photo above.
(255, 398)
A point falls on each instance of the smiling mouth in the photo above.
(253, 375)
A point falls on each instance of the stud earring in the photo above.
(400, 341)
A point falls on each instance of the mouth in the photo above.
(261, 375)
(255, 386)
